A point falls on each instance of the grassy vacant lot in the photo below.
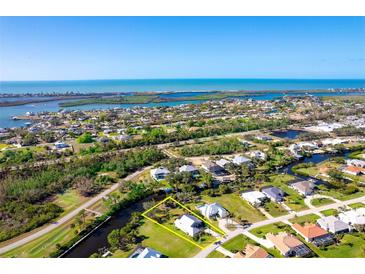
(330, 212)
(271, 228)
(238, 243)
(293, 199)
(45, 245)
(216, 254)
(275, 209)
(340, 196)
(350, 246)
(310, 218)
(167, 243)
(236, 206)
(357, 205)
(321, 201)
(69, 200)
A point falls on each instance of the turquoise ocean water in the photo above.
(176, 85)
(274, 90)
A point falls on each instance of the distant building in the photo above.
(333, 225)
(303, 187)
(214, 168)
(265, 138)
(354, 170)
(353, 217)
(191, 169)
(355, 162)
(213, 210)
(255, 198)
(273, 193)
(223, 163)
(159, 173)
(240, 160)
(60, 145)
(257, 154)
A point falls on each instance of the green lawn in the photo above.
(321, 201)
(340, 196)
(69, 200)
(45, 245)
(330, 212)
(166, 242)
(236, 206)
(293, 199)
(238, 243)
(271, 228)
(216, 254)
(357, 205)
(275, 209)
(351, 246)
(310, 218)
(121, 254)
(310, 171)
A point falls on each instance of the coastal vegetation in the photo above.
(225, 146)
(18, 191)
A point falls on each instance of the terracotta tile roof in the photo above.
(284, 241)
(253, 251)
(239, 255)
(355, 169)
(310, 231)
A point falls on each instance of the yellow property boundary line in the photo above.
(177, 234)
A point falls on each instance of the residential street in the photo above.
(231, 234)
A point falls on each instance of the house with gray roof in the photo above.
(303, 187)
(333, 225)
(191, 169)
(273, 193)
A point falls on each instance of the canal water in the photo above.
(99, 238)
(288, 134)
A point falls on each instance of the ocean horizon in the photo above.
(176, 85)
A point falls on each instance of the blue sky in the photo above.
(58, 48)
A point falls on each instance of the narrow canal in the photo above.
(99, 238)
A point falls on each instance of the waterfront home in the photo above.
(213, 210)
(240, 160)
(60, 145)
(191, 169)
(264, 138)
(144, 253)
(313, 233)
(255, 198)
(223, 163)
(121, 137)
(159, 173)
(353, 217)
(213, 168)
(333, 225)
(257, 154)
(356, 163)
(252, 251)
(190, 224)
(288, 245)
(273, 193)
(303, 187)
(354, 170)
